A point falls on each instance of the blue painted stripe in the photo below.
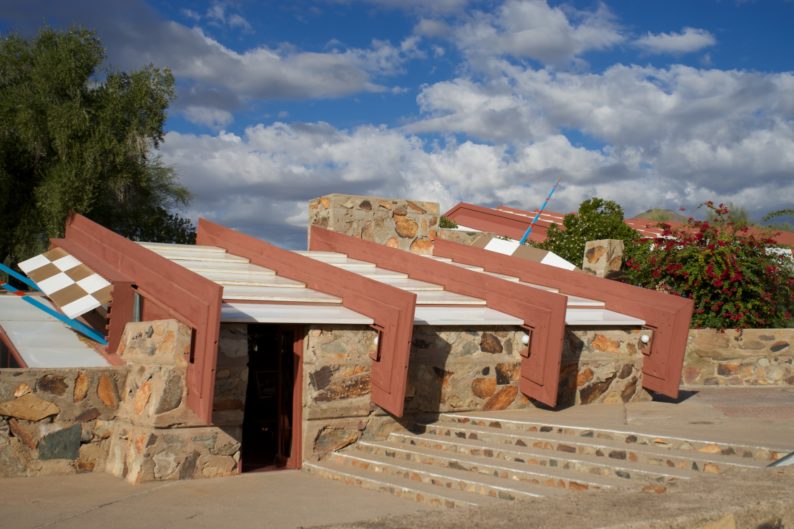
(29, 282)
(74, 324)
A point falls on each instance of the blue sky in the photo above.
(651, 103)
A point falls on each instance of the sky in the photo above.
(651, 103)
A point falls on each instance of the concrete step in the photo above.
(534, 474)
(585, 463)
(405, 488)
(606, 448)
(627, 436)
(446, 478)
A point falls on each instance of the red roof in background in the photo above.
(513, 222)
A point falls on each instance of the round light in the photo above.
(525, 339)
(645, 338)
(376, 340)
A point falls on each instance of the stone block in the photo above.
(29, 407)
(61, 444)
(409, 225)
(603, 257)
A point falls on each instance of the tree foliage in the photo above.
(786, 226)
(76, 139)
(731, 275)
(597, 219)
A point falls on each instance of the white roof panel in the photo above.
(272, 313)
(601, 317)
(41, 340)
(475, 316)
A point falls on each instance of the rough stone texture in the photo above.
(53, 421)
(451, 369)
(140, 454)
(460, 236)
(752, 357)
(156, 353)
(397, 223)
(231, 379)
(603, 257)
(156, 436)
(601, 366)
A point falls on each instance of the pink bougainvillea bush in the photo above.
(737, 280)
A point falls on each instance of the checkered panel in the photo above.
(71, 285)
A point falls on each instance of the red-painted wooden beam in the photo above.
(188, 297)
(494, 221)
(667, 315)
(390, 307)
(543, 312)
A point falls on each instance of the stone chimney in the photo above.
(398, 223)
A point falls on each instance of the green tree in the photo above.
(597, 219)
(73, 138)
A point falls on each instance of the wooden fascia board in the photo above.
(192, 298)
(542, 311)
(668, 315)
(391, 308)
(489, 220)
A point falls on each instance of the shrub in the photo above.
(446, 222)
(731, 276)
(597, 219)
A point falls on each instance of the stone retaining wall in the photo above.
(752, 357)
(398, 223)
(451, 370)
(57, 421)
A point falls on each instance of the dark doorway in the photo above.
(271, 425)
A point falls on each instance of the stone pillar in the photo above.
(156, 436)
(603, 257)
(398, 223)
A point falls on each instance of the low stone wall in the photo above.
(57, 421)
(156, 436)
(752, 357)
(459, 236)
(398, 223)
(451, 370)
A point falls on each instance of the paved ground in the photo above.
(293, 499)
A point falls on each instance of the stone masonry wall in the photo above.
(602, 366)
(231, 379)
(752, 357)
(57, 421)
(451, 369)
(398, 223)
(156, 436)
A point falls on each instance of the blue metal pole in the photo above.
(537, 215)
(74, 324)
(19, 277)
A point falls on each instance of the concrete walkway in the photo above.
(292, 499)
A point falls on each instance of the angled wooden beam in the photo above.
(667, 315)
(185, 296)
(543, 312)
(391, 308)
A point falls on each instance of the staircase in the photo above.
(468, 460)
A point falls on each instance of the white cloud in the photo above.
(687, 41)
(210, 117)
(532, 29)
(217, 14)
(421, 6)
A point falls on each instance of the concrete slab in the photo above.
(286, 499)
(747, 416)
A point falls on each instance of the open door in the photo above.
(271, 424)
